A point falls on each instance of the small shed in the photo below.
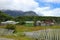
(9, 22)
(38, 23)
(29, 23)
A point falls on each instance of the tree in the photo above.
(4, 17)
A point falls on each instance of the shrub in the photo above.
(21, 23)
(10, 27)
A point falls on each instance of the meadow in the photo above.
(21, 28)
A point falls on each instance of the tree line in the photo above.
(21, 19)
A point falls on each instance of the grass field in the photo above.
(20, 28)
(36, 28)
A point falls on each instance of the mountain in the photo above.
(15, 13)
(30, 13)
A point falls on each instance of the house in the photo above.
(42, 23)
(29, 23)
(49, 22)
(9, 22)
(45, 23)
(38, 23)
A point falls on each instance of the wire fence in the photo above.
(49, 34)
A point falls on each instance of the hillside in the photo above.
(30, 13)
(15, 13)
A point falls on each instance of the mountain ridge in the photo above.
(15, 13)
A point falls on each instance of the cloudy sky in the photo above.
(44, 7)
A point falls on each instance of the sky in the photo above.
(44, 7)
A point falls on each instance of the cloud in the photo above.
(24, 5)
(41, 10)
(31, 5)
(46, 11)
(52, 1)
(4, 4)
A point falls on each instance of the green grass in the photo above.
(22, 28)
(16, 37)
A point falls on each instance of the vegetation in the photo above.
(35, 18)
(21, 19)
(10, 27)
(21, 28)
(4, 17)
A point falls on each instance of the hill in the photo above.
(15, 13)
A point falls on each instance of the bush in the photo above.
(21, 23)
(10, 27)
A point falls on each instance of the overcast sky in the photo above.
(44, 7)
